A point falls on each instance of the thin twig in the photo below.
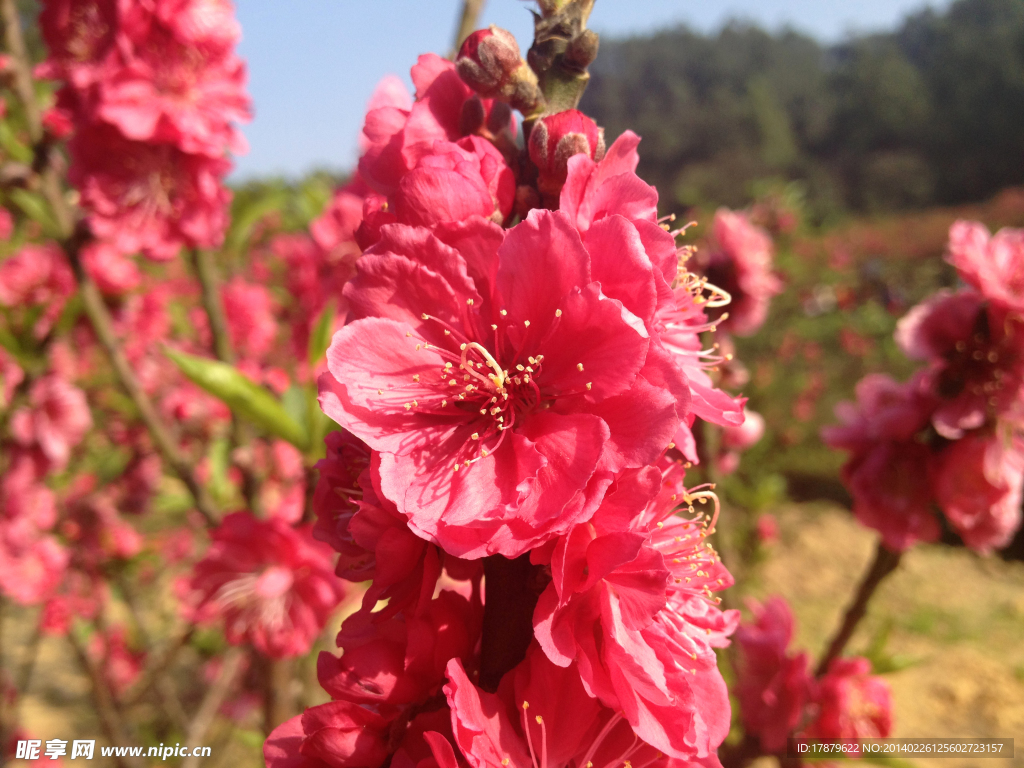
(206, 271)
(468, 19)
(213, 304)
(22, 69)
(215, 695)
(29, 665)
(102, 324)
(110, 718)
(278, 698)
(158, 667)
(885, 562)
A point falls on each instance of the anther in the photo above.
(558, 313)
(579, 366)
(589, 383)
(526, 323)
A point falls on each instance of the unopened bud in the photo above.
(490, 63)
(582, 50)
(556, 138)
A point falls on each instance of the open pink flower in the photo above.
(540, 716)
(56, 419)
(497, 428)
(994, 264)
(774, 686)
(145, 197)
(978, 483)
(637, 262)
(272, 583)
(631, 603)
(170, 92)
(975, 356)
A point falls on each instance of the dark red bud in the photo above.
(490, 63)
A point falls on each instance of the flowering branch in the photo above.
(103, 325)
(74, 237)
(885, 562)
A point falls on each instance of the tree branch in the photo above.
(215, 696)
(110, 717)
(885, 562)
(213, 304)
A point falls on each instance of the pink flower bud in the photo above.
(490, 63)
(556, 138)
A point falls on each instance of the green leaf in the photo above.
(249, 401)
(247, 214)
(20, 152)
(320, 338)
(33, 206)
(294, 402)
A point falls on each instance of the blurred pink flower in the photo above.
(994, 264)
(272, 583)
(773, 685)
(978, 483)
(56, 419)
(853, 703)
(741, 265)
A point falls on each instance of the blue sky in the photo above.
(314, 63)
